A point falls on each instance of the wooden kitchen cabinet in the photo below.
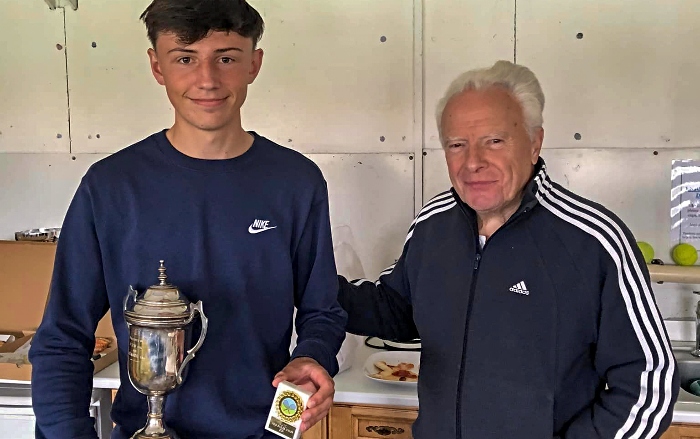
(370, 422)
(682, 431)
(318, 431)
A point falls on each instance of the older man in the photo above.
(533, 304)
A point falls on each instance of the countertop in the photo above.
(353, 387)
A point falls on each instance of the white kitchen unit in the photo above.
(16, 414)
(17, 417)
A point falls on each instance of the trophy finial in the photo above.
(161, 274)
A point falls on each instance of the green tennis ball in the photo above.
(684, 254)
(647, 251)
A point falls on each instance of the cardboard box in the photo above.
(25, 276)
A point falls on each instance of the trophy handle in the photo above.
(132, 293)
(190, 354)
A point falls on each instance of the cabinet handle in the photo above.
(384, 430)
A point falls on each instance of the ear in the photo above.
(155, 67)
(536, 145)
(255, 65)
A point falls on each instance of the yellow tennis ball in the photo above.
(684, 254)
(647, 251)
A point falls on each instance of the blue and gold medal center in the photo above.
(289, 407)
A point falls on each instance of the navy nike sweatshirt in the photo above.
(249, 237)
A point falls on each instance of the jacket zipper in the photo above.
(472, 292)
(460, 382)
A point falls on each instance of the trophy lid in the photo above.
(161, 304)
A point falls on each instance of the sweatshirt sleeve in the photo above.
(320, 321)
(61, 349)
(633, 356)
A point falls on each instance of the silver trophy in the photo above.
(160, 327)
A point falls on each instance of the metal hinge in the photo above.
(53, 4)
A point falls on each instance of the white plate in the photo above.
(415, 344)
(392, 357)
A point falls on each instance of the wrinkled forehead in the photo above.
(492, 106)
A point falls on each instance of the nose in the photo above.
(474, 159)
(207, 76)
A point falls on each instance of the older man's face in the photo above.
(490, 156)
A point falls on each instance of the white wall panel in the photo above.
(630, 81)
(461, 35)
(676, 300)
(33, 98)
(372, 194)
(435, 178)
(328, 82)
(114, 99)
(43, 199)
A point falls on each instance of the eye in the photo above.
(495, 142)
(184, 60)
(455, 145)
(227, 60)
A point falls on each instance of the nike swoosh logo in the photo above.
(252, 230)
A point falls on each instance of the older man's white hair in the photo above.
(517, 79)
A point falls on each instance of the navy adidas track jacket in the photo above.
(550, 330)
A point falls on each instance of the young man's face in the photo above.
(207, 81)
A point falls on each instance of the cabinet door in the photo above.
(368, 422)
(682, 431)
(318, 431)
(16, 426)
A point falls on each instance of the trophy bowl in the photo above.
(160, 329)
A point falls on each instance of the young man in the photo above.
(242, 224)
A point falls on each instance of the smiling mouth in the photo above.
(479, 183)
(209, 103)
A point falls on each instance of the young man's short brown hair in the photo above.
(192, 20)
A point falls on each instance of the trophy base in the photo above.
(155, 427)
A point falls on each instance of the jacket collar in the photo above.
(529, 201)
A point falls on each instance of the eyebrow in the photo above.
(501, 134)
(222, 50)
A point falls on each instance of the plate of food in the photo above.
(101, 343)
(413, 345)
(393, 367)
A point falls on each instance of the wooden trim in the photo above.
(376, 406)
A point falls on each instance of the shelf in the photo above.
(674, 273)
